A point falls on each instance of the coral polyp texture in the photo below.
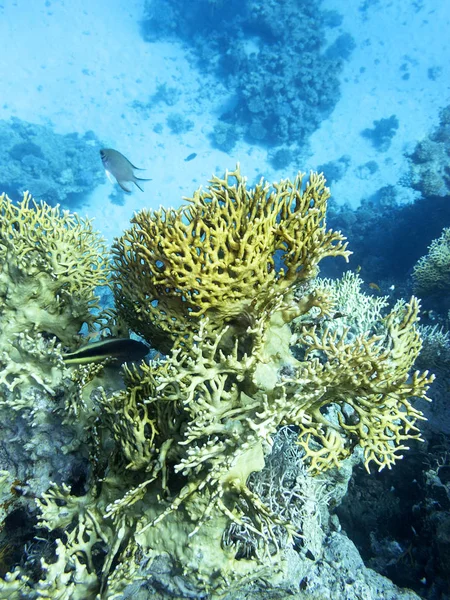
(215, 257)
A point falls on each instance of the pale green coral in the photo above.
(432, 272)
(57, 582)
(51, 261)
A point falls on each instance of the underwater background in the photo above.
(356, 90)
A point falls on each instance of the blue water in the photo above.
(183, 89)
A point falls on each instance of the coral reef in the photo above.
(272, 55)
(224, 136)
(178, 123)
(435, 355)
(51, 263)
(58, 168)
(432, 272)
(210, 468)
(383, 227)
(216, 257)
(363, 313)
(430, 170)
(336, 169)
(407, 511)
(382, 133)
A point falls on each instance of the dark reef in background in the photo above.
(271, 56)
(382, 133)
(387, 238)
(60, 169)
(400, 520)
(334, 170)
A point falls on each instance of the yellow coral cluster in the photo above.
(207, 414)
(51, 261)
(50, 264)
(222, 280)
(368, 378)
(216, 256)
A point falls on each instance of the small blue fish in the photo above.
(190, 157)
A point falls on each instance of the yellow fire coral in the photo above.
(206, 415)
(210, 416)
(216, 256)
(368, 378)
(222, 279)
(50, 264)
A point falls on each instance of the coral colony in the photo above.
(256, 356)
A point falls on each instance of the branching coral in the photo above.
(362, 313)
(207, 414)
(191, 431)
(369, 379)
(289, 491)
(215, 416)
(432, 272)
(51, 263)
(216, 256)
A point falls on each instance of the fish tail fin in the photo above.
(136, 179)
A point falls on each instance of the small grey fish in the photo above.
(118, 166)
(120, 349)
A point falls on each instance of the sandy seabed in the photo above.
(85, 68)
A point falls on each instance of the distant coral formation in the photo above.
(432, 272)
(272, 55)
(382, 133)
(58, 168)
(430, 168)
